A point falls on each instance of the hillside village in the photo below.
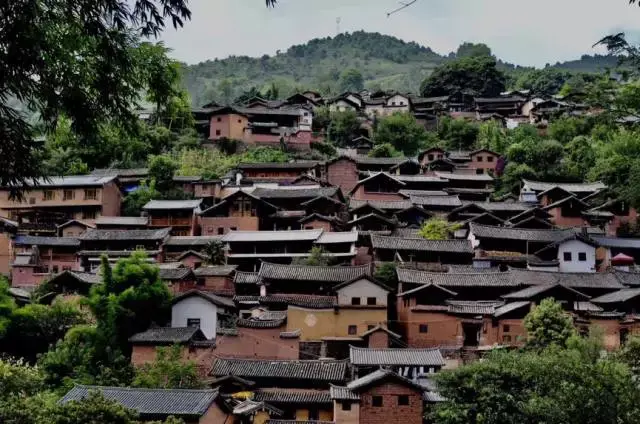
(232, 252)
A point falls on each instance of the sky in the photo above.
(531, 32)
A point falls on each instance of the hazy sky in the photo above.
(531, 32)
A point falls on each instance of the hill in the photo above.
(385, 62)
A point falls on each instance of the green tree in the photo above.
(473, 50)
(384, 150)
(317, 257)
(94, 409)
(168, 371)
(386, 274)
(477, 76)
(351, 80)
(7, 306)
(34, 328)
(547, 81)
(135, 201)
(630, 355)
(214, 251)
(438, 229)
(566, 129)
(93, 41)
(162, 170)
(511, 179)
(343, 128)
(402, 131)
(457, 134)
(492, 136)
(548, 325)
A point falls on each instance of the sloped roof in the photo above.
(279, 165)
(381, 375)
(209, 297)
(72, 181)
(137, 221)
(479, 307)
(342, 393)
(421, 244)
(294, 193)
(509, 307)
(150, 402)
(166, 335)
(617, 296)
(463, 177)
(175, 274)
(215, 271)
(363, 277)
(312, 370)
(172, 204)
(524, 234)
(293, 396)
(503, 206)
(367, 160)
(397, 357)
(21, 240)
(242, 277)
(595, 280)
(191, 241)
(380, 204)
(618, 242)
(153, 235)
(448, 201)
(483, 279)
(272, 236)
(533, 291)
(259, 323)
(333, 274)
(338, 237)
(570, 187)
(375, 176)
(83, 277)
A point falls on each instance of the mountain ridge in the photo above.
(386, 62)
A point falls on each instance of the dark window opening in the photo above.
(566, 256)
(371, 301)
(355, 301)
(352, 330)
(193, 322)
(582, 257)
(403, 400)
(376, 401)
(346, 406)
(506, 328)
(424, 328)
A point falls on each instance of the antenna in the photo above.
(404, 4)
(338, 20)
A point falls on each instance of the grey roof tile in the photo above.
(137, 221)
(271, 236)
(312, 370)
(618, 242)
(209, 297)
(480, 279)
(342, 393)
(73, 181)
(293, 396)
(570, 187)
(534, 235)
(444, 201)
(619, 296)
(595, 280)
(279, 165)
(246, 278)
(191, 241)
(338, 237)
(163, 335)
(260, 323)
(151, 402)
(294, 193)
(502, 206)
(175, 274)
(383, 205)
(332, 274)
(399, 357)
(215, 270)
(533, 291)
(381, 375)
(21, 240)
(463, 177)
(152, 235)
(421, 244)
(466, 307)
(509, 307)
(172, 204)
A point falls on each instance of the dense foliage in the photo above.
(473, 75)
(438, 229)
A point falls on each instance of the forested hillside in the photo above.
(385, 62)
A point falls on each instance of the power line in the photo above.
(404, 6)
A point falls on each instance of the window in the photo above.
(218, 132)
(393, 103)
(66, 268)
(370, 327)
(308, 227)
(355, 301)
(55, 269)
(220, 231)
(48, 195)
(424, 328)
(506, 328)
(582, 257)
(89, 215)
(352, 330)
(403, 400)
(376, 401)
(68, 195)
(480, 171)
(201, 281)
(567, 256)
(140, 247)
(90, 194)
(234, 228)
(506, 339)
(32, 200)
(219, 119)
(239, 121)
(346, 406)
(430, 157)
(480, 158)
(193, 322)
(371, 301)
(489, 158)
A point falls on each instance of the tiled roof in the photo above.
(466, 307)
(481, 279)
(422, 193)
(191, 241)
(215, 271)
(463, 177)
(164, 335)
(367, 160)
(433, 397)
(294, 193)
(254, 236)
(294, 334)
(338, 237)
(381, 204)
(586, 307)
(533, 291)
(333, 274)
(73, 181)
(617, 296)
(46, 241)
(131, 172)
(342, 393)
(83, 277)
(288, 214)
(293, 396)
(381, 328)
(509, 307)
(155, 235)
(448, 201)
(259, 323)
(534, 235)
(617, 242)
(380, 375)
(283, 165)
(172, 204)
(300, 300)
(399, 357)
(209, 297)
(312, 370)
(151, 402)
(246, 278)
(406, 233)
(502, 206)
(631, 279)
(421, 244)
(175, 274)
(138, 221)
(595, 280)
(570, 187)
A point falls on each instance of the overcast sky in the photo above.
(531, 32)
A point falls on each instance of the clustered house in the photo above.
(273, 268)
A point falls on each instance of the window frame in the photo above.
(403, 400)
(567, 257)
(423, 328)
(377, 401)
(356, 301)
(192, 320)
(582, 256)
(372, 301)
(352, 330)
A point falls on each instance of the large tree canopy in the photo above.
(474, 75)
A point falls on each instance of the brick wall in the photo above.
(257, 343)
(210, 226)
(111, 199)
(5, 253)
(442, 329)
(317, 224)
(343, 173)
(218, 285)
(390, 412)
(350, 416)
(191, 261)
(378, 340)
(215, 415)
(564, 221)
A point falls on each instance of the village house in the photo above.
(192, 406)
(411, 363)
(610, 247)
(200, 309)
(342, 172)
(379, 186)
(8, 230)
(56, 200)
(216, 279)
(240, 211)
(122, 222)
(118, 244)
(180, 215)
(180, 248)
(484, 161)
(194, 345)
(73, 228)
(503, 106)
(74, 282)
(208, 190)
(284, 173)
(35, 259)
(291, 198)
(580, 190)
(299, 279)
(420, 250)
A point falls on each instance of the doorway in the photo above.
(471, 333)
